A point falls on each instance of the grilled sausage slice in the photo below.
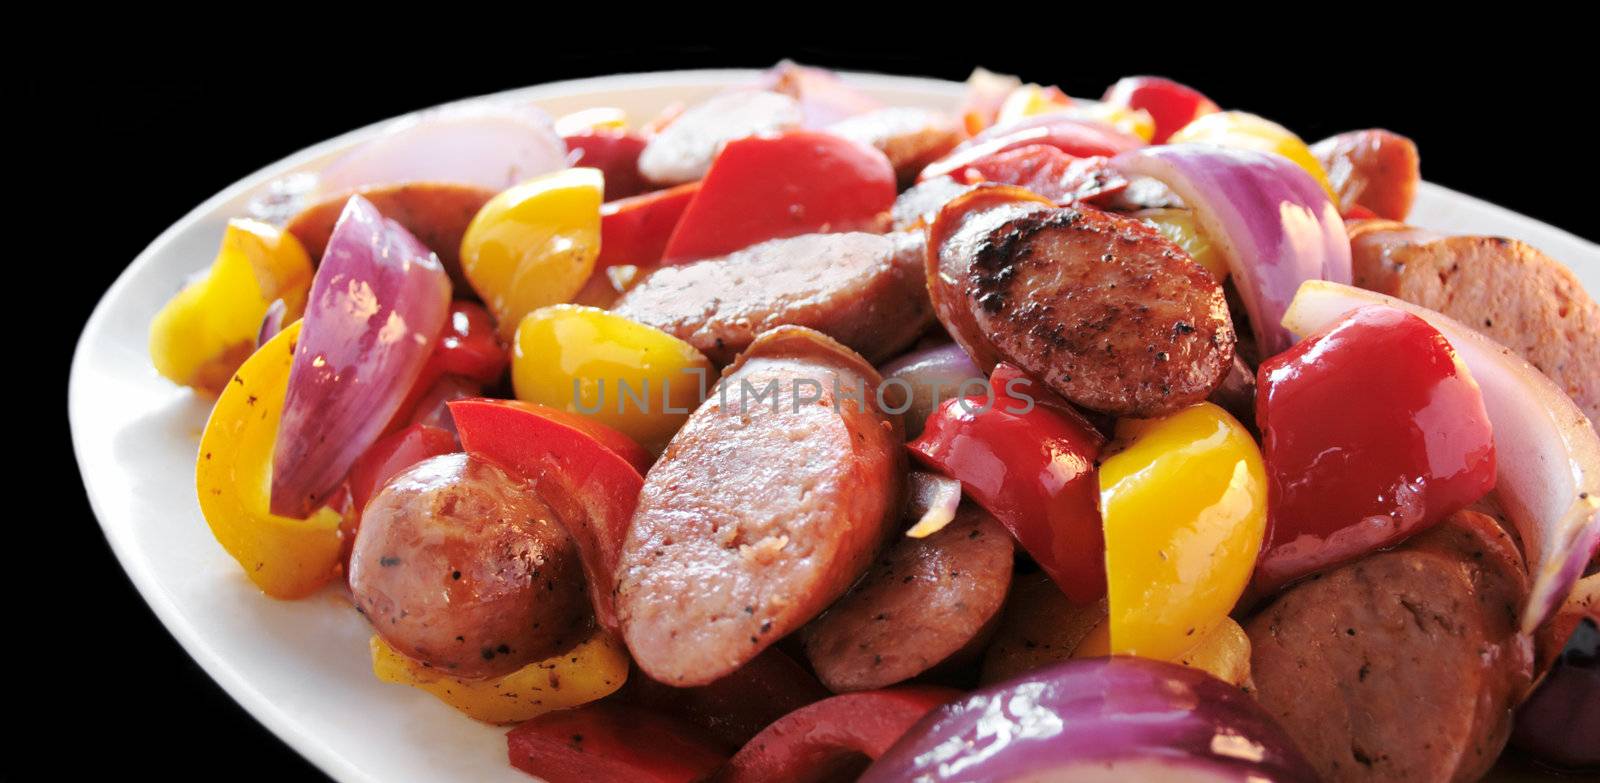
(1517, 296)
(864, 290)
(465, 569)
(910, 138)
(1376, 169)
(1100, 308)
(437, 213)
(924, 601)
(1404, 665)
(763, 510)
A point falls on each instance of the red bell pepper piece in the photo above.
(391, 455)
(782, 185)
(1078, 138)
(1049, 172)
(1033, 468)
(1372, 431)
(468, 346)
(821, 741)
(616, 154)
(635, 230)
(1171, 105)
(608, 742)
(738, 706)
(587, 472)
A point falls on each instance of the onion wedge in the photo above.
(1271, 220)
(1547, 453)
(377, 306)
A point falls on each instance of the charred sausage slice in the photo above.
(1403, 665)
(1100, 308)
(924, 601)
(465, 569)
(864, 290)
(763, 510)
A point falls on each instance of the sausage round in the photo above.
(1376, 169)
(924, 601)
(437, 213)
(465, 569)
(1100, 308)
(1403, 665)
(864, 290)
(760, 513)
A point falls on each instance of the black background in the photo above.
(173, 127)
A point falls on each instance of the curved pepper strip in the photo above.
(810, 743)
(286, 558)
(203, 334)
(594, 669)
(1185, 510)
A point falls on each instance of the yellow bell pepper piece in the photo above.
(1243, 130)
(534, 244)
(208, 329)
(600, 364)
(1031, 100)
(1178, 225)
(286, 558)
(1184, 508)
(592, 670)
(1225, 653)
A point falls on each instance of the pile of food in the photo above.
(791, 436)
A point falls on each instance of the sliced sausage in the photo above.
(763, 510)
(1517, 296)
(1101, 309)
(1376, 169)
(465, 569)
(682, 151)
(924, 601)
(910, 138)
(1403, 665)
(436, 213)
(864, 290)
(1372, 246)
(1039, 626)
(919, 204)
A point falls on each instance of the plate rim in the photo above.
(320, 753)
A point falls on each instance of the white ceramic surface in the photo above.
(302, 668)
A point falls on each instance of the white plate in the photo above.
(302, 668)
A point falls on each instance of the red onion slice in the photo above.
(1546, 452)
(1098, 719)
(1274, 224)
(377, 305)
(492, 145)
(1075, 136)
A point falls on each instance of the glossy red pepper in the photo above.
(1170, 104)
(783, 185)
(587, 472)
(738, 706)
(1372, 430)
(616, 154)
(1049, 172)
(468, 347)
(822, 741)
(634, 232)
(1033, 467)
(609, 742)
